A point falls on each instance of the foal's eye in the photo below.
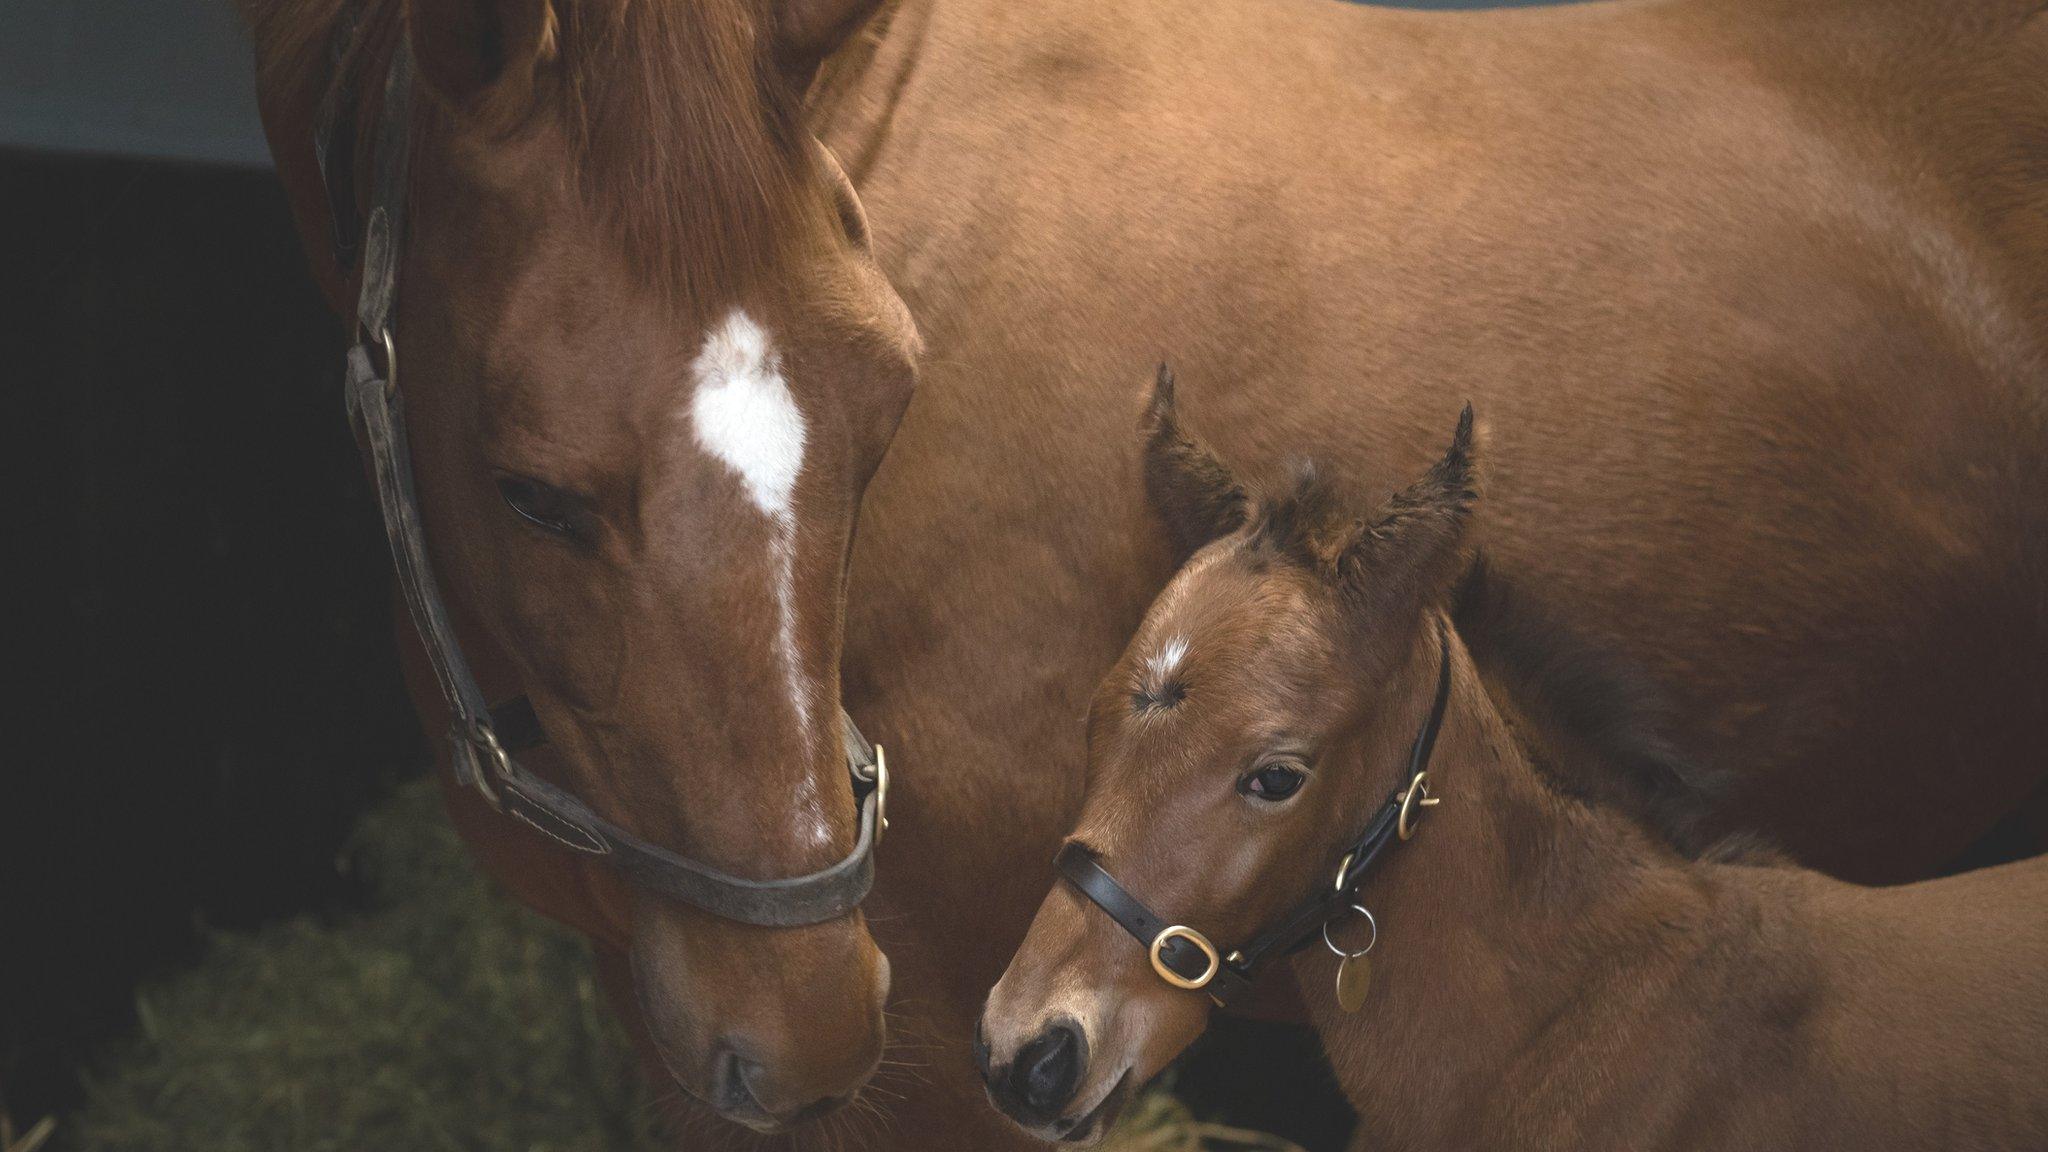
(1274, 782)
(543, 504)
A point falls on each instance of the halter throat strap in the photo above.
(1185, 958)
(486, 739)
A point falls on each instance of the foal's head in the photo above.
(649, 365)
(1262, 712)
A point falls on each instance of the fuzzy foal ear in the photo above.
(481, 56)
(1415, 551)
(1193, 491)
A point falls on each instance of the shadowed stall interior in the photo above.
(206, 693)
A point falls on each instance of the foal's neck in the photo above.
(1548, 976)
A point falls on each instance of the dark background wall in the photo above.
(206, 693)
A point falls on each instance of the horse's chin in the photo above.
(1096, 1123)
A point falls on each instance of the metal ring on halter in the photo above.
(881, 793)
(1341, 954)
(390, 362)
(386, 343)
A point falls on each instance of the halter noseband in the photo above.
(1185, 958)
(485, 738)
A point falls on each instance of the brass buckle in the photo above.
(1181, 931)
(1417, 796)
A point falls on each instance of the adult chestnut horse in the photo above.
(1757, 286)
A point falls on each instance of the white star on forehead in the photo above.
(1161, 664)
(743, 414)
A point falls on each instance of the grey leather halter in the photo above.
(485, 738)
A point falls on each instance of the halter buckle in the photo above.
(1183, 932)
(1416, 797)
(376, 344)
(479, 737)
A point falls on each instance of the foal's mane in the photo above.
(1304, 519)
(685, 138)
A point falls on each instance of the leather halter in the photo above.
(1185, 958)
(485, 738)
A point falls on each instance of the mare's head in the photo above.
(649, 366)
(1263, 710)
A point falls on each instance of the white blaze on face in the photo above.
(743, 415)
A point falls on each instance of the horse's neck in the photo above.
(1547, 976)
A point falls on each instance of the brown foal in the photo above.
(1544, 973)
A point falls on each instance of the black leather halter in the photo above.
(486, 738)
(1185, 958)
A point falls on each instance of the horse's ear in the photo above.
(483, 56)
(1192, 490)
(807, 31)
(1416, 550)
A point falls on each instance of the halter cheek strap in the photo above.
(1185, 958)
(486, 739)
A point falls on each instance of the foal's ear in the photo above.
(482, 56)
(807, 31)
(1191, 489)
(1412, 554)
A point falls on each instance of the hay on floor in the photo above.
(445, 1017)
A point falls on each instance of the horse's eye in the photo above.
(1273, 783)
(544, 505)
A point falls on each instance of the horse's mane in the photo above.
(1614, 725)
(684, 137)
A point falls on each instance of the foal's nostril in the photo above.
(1048, 1070)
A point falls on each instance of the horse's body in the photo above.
(1659, 244)
(1759, 289)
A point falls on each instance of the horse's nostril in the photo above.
(731, 1092)
(1048, 1070)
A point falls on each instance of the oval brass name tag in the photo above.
(1354, 980)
